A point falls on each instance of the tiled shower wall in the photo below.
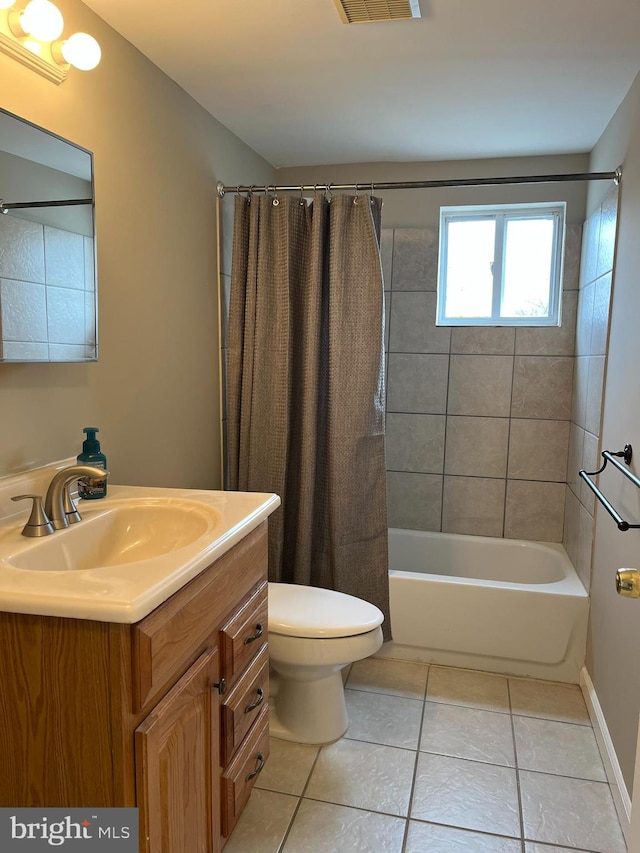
(47, 296)
(478, 419)
(591, 348)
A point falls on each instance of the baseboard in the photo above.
(619, 791)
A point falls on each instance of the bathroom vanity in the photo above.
(167, 712)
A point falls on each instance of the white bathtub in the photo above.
(502, 605)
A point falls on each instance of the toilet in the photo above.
(313, 634)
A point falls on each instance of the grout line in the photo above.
(297, 808)
(483, 832)
(564, 776)
(477, 477)
(377, 743)
(451, 704)
(488, 354)
(356, 808)
(415, 766)
(506, 471)
(585, 725)
(383, 692)
(444, 438)
(490, 417)
(517, 769)
(426, 686)
(313, 767)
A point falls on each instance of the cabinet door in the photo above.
(177, 761)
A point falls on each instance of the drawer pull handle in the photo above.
(255, 772)
(255, 704)
(259, 632)
(222, 686)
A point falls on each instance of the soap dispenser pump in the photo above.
(88, 487)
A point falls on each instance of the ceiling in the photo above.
(470, 79)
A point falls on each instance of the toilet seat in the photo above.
(315, 613)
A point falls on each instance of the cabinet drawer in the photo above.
(244, 704)
(167, 641)
(240, 776)
(243, 636)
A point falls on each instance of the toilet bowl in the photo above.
(313, 634)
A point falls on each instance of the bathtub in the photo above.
(501, 605)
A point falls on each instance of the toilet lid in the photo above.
(305, 611)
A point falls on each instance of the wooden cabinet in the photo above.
(176, 764)
(169, 714)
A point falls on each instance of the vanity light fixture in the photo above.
(30, 32)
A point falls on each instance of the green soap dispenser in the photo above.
(88, 487)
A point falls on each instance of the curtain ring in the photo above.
(356, 198)
(371, 196)
(270, 190)
(301, 200)
(327, 192)
(250, 193)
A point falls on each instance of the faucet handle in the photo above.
(38, 523)
(70, 509)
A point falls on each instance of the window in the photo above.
(500, 265)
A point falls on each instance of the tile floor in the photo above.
(439, 760)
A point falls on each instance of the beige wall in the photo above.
(615, 621)
(158, 155)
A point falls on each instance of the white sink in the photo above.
(131, 551)
(131, 531)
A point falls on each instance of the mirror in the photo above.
(47, 239)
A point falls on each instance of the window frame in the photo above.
(501, 213)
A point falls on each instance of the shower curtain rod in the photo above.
(419, 185)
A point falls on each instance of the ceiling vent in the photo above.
(370, 11)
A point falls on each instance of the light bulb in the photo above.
(32, 44)
(6, 4)
(82, 51)
(42, 20)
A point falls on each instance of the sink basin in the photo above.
(128, 532)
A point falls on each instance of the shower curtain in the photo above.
(305, 387)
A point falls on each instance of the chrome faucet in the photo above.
(58, 504)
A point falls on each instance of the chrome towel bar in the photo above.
(612, 457)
